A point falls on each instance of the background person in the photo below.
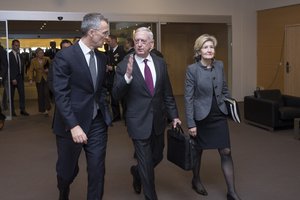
(82, 114)
(150, 101)
(116, 53)
(16, 65)
(205, 90)
(38, 73)
(63, 44)
(129, 46)
(52, 50)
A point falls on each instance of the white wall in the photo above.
(243, 15)
(267, 4)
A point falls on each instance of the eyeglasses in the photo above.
(105, 33)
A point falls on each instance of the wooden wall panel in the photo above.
(177, 43)
(270, 44)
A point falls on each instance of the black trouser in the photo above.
(21, 91)
(95, 151)
(43, 96)
(149, 153)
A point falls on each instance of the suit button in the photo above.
(214, 78)
(216, 87)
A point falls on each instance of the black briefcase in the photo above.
(181, 148)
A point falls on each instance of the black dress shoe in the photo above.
(64, 194)
(199, 188)
(230, 197)
(136, 180)
(24, 113)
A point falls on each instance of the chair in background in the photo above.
(271, 110)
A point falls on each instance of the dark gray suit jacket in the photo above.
(200, 84)
(145, 111)
(74, 91)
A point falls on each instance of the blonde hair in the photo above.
(38, 50)
(201, 40)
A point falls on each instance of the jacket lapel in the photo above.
(83, 63)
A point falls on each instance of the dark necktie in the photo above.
(18, 62)
(92, 67)
(148, 77)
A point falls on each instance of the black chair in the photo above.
(271, 110)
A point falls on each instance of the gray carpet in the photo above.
(266, 164)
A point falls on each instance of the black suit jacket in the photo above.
(3, 63)
(145, 111)
(15, 73)
(74, 91)
(50, 53)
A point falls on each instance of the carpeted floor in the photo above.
(266, 164)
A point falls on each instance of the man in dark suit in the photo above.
(3, 75)
(150, 101)
(52, 51)
(129, 46)
(16, 65)
(82, 114)
(116, 53)
(3, 80)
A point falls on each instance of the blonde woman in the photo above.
(38, 73)
(205, 90)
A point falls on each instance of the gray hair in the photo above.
(91, 21)
(147, 30)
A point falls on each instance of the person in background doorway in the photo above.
(129, 46)
(3, 76)
(63, 44)
(3, 80)
(39, 66)
(16, 66)
(52, 50)
(116, 53)
(206, 112)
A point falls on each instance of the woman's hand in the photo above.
(193, 131)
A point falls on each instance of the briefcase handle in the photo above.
(178, 129)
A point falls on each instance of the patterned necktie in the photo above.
(92, 67)
(148, 77)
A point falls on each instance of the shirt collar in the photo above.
(84, 48)
(141, 60)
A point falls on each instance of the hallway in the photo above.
(266, 164)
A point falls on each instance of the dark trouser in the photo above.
(21, 91)
(115, 106)
(43, 96)
(4, 96)
(149, 153)
(95, 150)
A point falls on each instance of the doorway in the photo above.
(292, 60)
